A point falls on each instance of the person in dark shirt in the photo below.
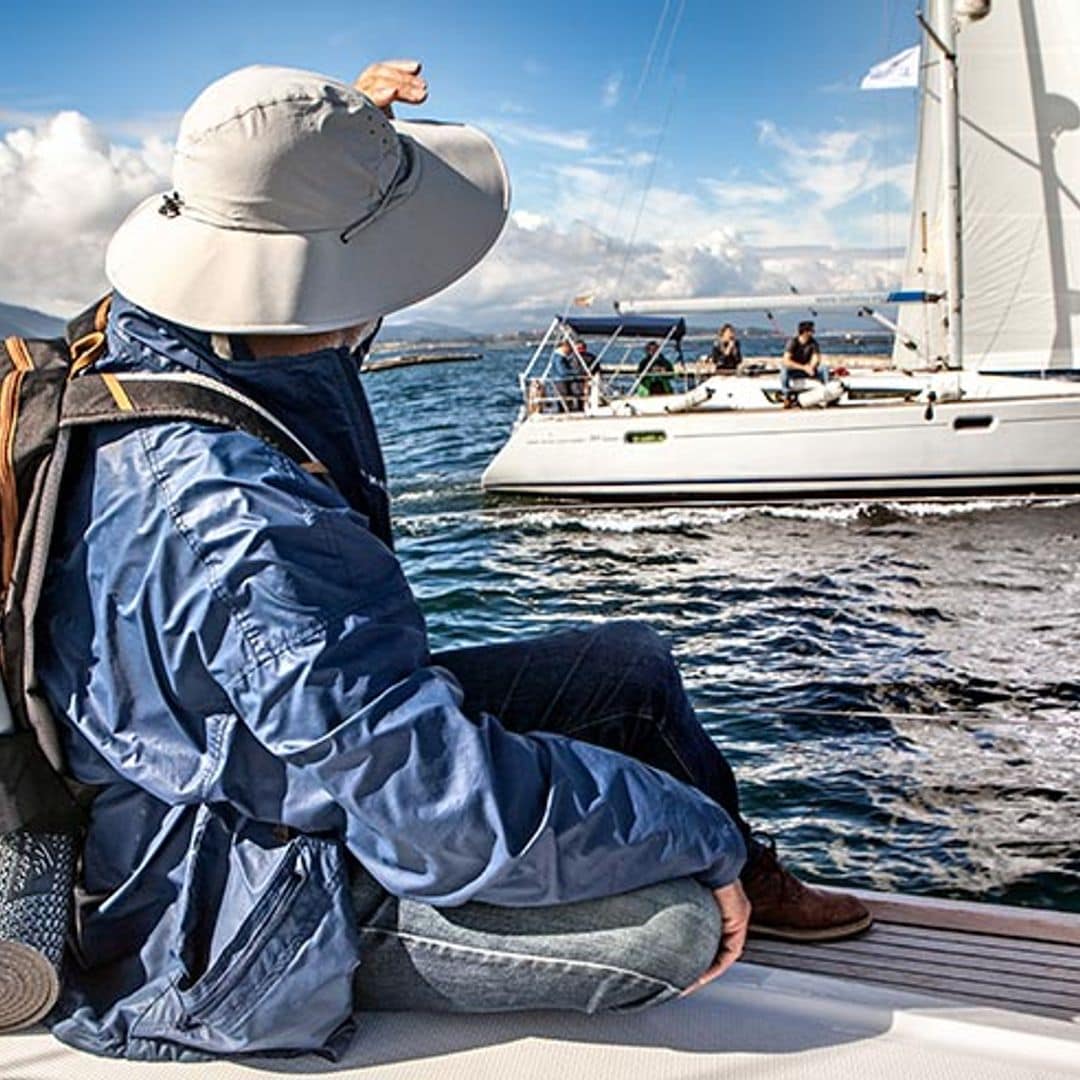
(802, 358)
(658, 370)
(726, 354)
(587, 358)
(568, 383)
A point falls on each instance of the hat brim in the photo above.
(241, 281)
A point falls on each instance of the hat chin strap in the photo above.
(362, 334)
(400, 187)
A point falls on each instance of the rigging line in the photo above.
(647, 65)
(591, 277)
(672, 35)
(645, 191)
(884, 121)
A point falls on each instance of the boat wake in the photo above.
(633, 518)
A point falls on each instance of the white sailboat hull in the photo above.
(1029, 443)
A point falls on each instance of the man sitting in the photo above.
(726, 353)
(802, 357)
(656, 371)
(301, 811)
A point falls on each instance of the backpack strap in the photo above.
(32, 793)
(114, 398)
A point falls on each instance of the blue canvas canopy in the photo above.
(638, 326)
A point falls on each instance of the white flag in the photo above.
(898, 71)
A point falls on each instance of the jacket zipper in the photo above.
(233, 974)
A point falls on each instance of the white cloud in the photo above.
(64, 188)
(609, 93)
(162, 126)
(65, 185)
(513, 131)
(834, 167)
(527, 220)
(736, 193)
(21, 117)
(816, 218)
(621, 159)
(537, 267)
(533, 272)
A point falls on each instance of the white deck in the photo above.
(758, 1023)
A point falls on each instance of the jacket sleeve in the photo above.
(371, 740)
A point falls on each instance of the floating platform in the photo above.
(387, 363)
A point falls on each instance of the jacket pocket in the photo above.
(262, 942)
(284, 979)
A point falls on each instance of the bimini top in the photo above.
(639, 326)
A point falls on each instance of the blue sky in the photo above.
(741, 125)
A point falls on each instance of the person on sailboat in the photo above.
(586, 357)
(726, 353)
(801, 359)
(568, 378)
(656, 371)
(300, 811)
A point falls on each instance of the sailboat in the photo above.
(982, 396)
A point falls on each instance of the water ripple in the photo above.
(896, 683)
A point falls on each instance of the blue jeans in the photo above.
(615, 685)
(788, 375)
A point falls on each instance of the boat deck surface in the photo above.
(1026, 961)
(949, 991)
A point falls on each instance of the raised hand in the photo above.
(393, 80)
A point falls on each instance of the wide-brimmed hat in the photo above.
(299, 207)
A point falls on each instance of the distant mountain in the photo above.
(26, 322)
(425, 330)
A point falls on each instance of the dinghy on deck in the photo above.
(936, 989)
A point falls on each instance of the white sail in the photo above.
(1020, 165)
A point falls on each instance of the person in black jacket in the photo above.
(802, 357)
(726, 353)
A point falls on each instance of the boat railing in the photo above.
(579, 387)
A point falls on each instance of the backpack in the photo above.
(46, 397)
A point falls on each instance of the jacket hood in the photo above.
(318, 396)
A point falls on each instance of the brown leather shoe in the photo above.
(783, 907)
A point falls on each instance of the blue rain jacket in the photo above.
(245, 673)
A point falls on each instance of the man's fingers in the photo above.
(713, 973)
(393, 80)
(411, 66)
(384, 92)
(390, 73)
(734, 923)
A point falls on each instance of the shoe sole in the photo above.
(829, 933)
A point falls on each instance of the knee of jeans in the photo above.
(682, 939)
(633, 646)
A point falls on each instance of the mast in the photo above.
(943, 37)
(952, 210)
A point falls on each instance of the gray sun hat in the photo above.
(299, 207)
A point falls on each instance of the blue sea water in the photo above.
(897, 686)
